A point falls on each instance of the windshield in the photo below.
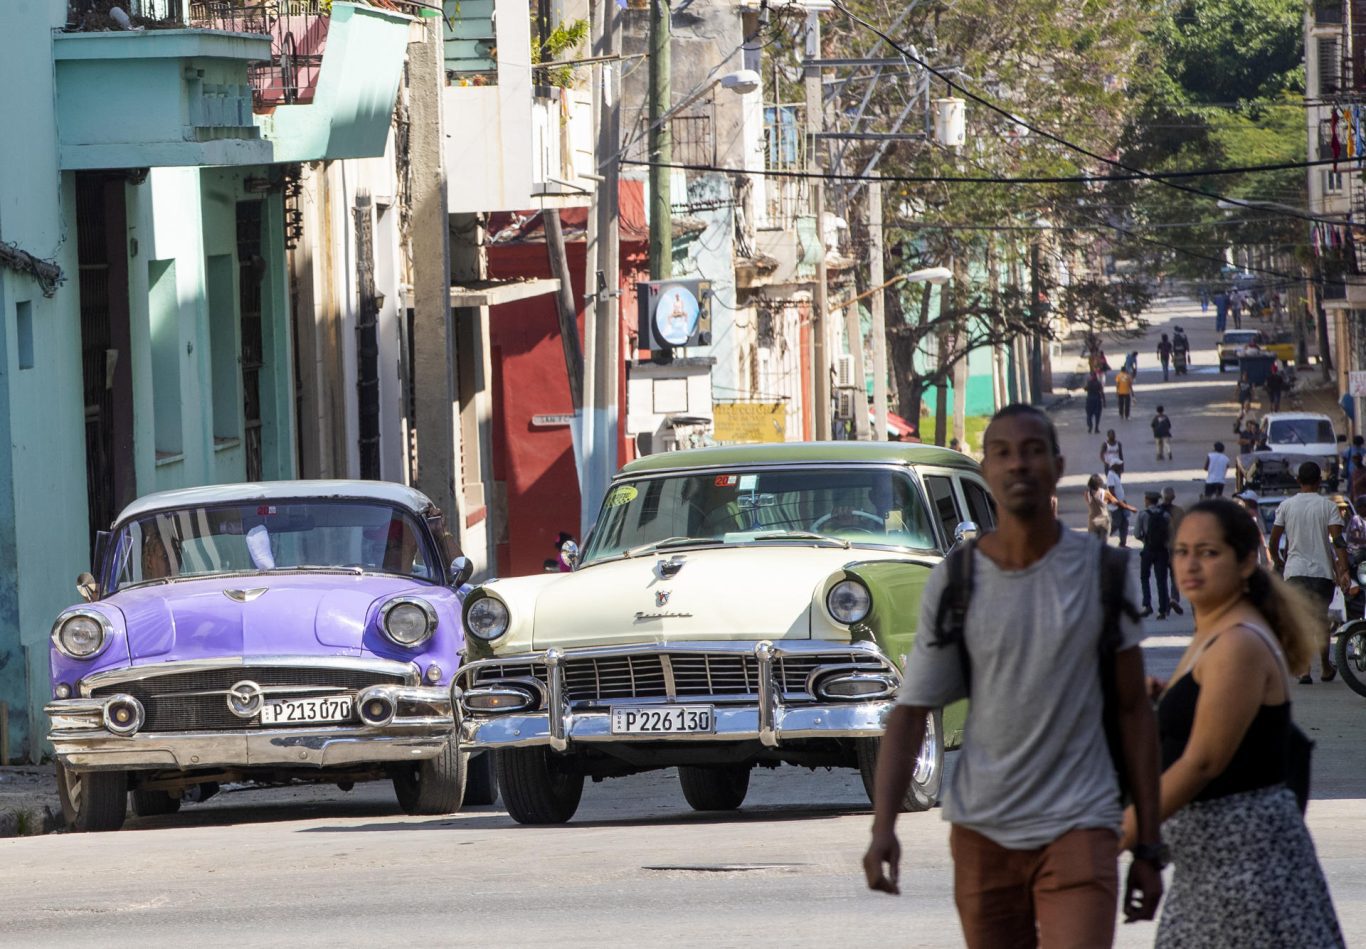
(258, 537)
(1241, 338)
(857, 505)
(1300, 431)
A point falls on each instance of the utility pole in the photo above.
(875, 277)
(815, 124)
(597, 441)
(660, 143)
(436, 397)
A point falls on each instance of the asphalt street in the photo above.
(318, 867)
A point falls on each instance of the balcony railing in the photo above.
(297, 31)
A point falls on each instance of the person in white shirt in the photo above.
(1315, 551)
(1118, 507)
(1216, 469)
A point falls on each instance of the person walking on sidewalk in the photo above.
(1095, 401)
(1034, 800)
(1246, 873)
(1175, 512)
(1315, 554)
(1275, 388)
(1118, 507)
(1162, 433)
(1111, 451)
(1216, 470)
(1098, 507)
(1124, 392)
(1153, 528)
(1164, 353)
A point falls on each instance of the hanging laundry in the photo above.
(1314, 241)
(1360, 133)
(1334, 142)
(1349, 136)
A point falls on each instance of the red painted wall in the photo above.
(536, 465)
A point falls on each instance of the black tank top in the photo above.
(1260, 759)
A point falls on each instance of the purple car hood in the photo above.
(289, 614)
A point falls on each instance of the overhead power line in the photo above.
(1058, 139)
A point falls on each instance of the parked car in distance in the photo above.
(1235, 343)
(1300, 433)
(734, 607)
(291, 630)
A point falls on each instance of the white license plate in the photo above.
(670, 720)
(306, 711)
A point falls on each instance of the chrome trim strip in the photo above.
(821, 672)
(409, 670)
(768, 695)
(557, 708)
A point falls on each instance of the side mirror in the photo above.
(965, 531)
(461, 571)
(570, 552)
(88, 588)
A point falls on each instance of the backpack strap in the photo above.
(1114, 575)
(951, 616)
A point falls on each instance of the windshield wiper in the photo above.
(803, 535)
(351, 569)
(666, 543)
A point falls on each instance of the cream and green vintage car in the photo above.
(733, 607)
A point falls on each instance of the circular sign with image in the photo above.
(676, 314)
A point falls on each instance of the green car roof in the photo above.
(897, 453)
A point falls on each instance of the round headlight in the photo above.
(80, 635)
(849, 601)
(487, 618)
(408, 622)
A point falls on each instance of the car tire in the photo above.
(928, 777)
(154, 803)
(93, 801)
(714, 789)
(481, 779)
(538, 788)
(433, 786)
(1350, 654)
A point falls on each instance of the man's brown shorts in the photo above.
(1061, 896)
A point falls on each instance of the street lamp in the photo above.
(932, 275)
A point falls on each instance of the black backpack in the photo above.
(950, 618)
(1157, 531)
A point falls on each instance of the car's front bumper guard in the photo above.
(769, 720)
(80, 739)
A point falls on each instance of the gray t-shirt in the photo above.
(1308, 547)
(1034, 763)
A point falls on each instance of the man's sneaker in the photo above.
(1162, 614)
(1146, 611)
(1176, 608)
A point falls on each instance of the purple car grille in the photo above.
(171, 706)
(591, 681)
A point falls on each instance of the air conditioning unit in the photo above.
(846, 401)
(844, 372)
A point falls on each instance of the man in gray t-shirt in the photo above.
(1034, 800)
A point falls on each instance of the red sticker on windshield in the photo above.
(265, 510)
(726, 481)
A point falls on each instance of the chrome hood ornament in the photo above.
(245, 596)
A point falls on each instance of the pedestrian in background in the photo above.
(1131, 364)
(1124, 392)
(1246, 873)
(1353, 460)
(1098, 508)
(1034, 799)
(1164, 353)
(1252, 504)
(1275, 388)
(1118, 507)
(1248, 435)
(1153, 528)
(1216, 470)
(1175, 512)
(1315, 554)
(1162, 433)
(1095, 401)
(1244, 393)
(1111, 451)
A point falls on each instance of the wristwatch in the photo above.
(1152, 853)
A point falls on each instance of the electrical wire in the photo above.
(1162, 177)
(1138, 173)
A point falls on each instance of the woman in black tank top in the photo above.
(1224, 722)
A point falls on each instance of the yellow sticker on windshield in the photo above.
(622, 494)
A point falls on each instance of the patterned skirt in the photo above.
(1245, 875)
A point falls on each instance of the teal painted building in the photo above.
(144, 290)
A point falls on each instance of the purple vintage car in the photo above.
(293, 630)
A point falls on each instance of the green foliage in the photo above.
(564, 38)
